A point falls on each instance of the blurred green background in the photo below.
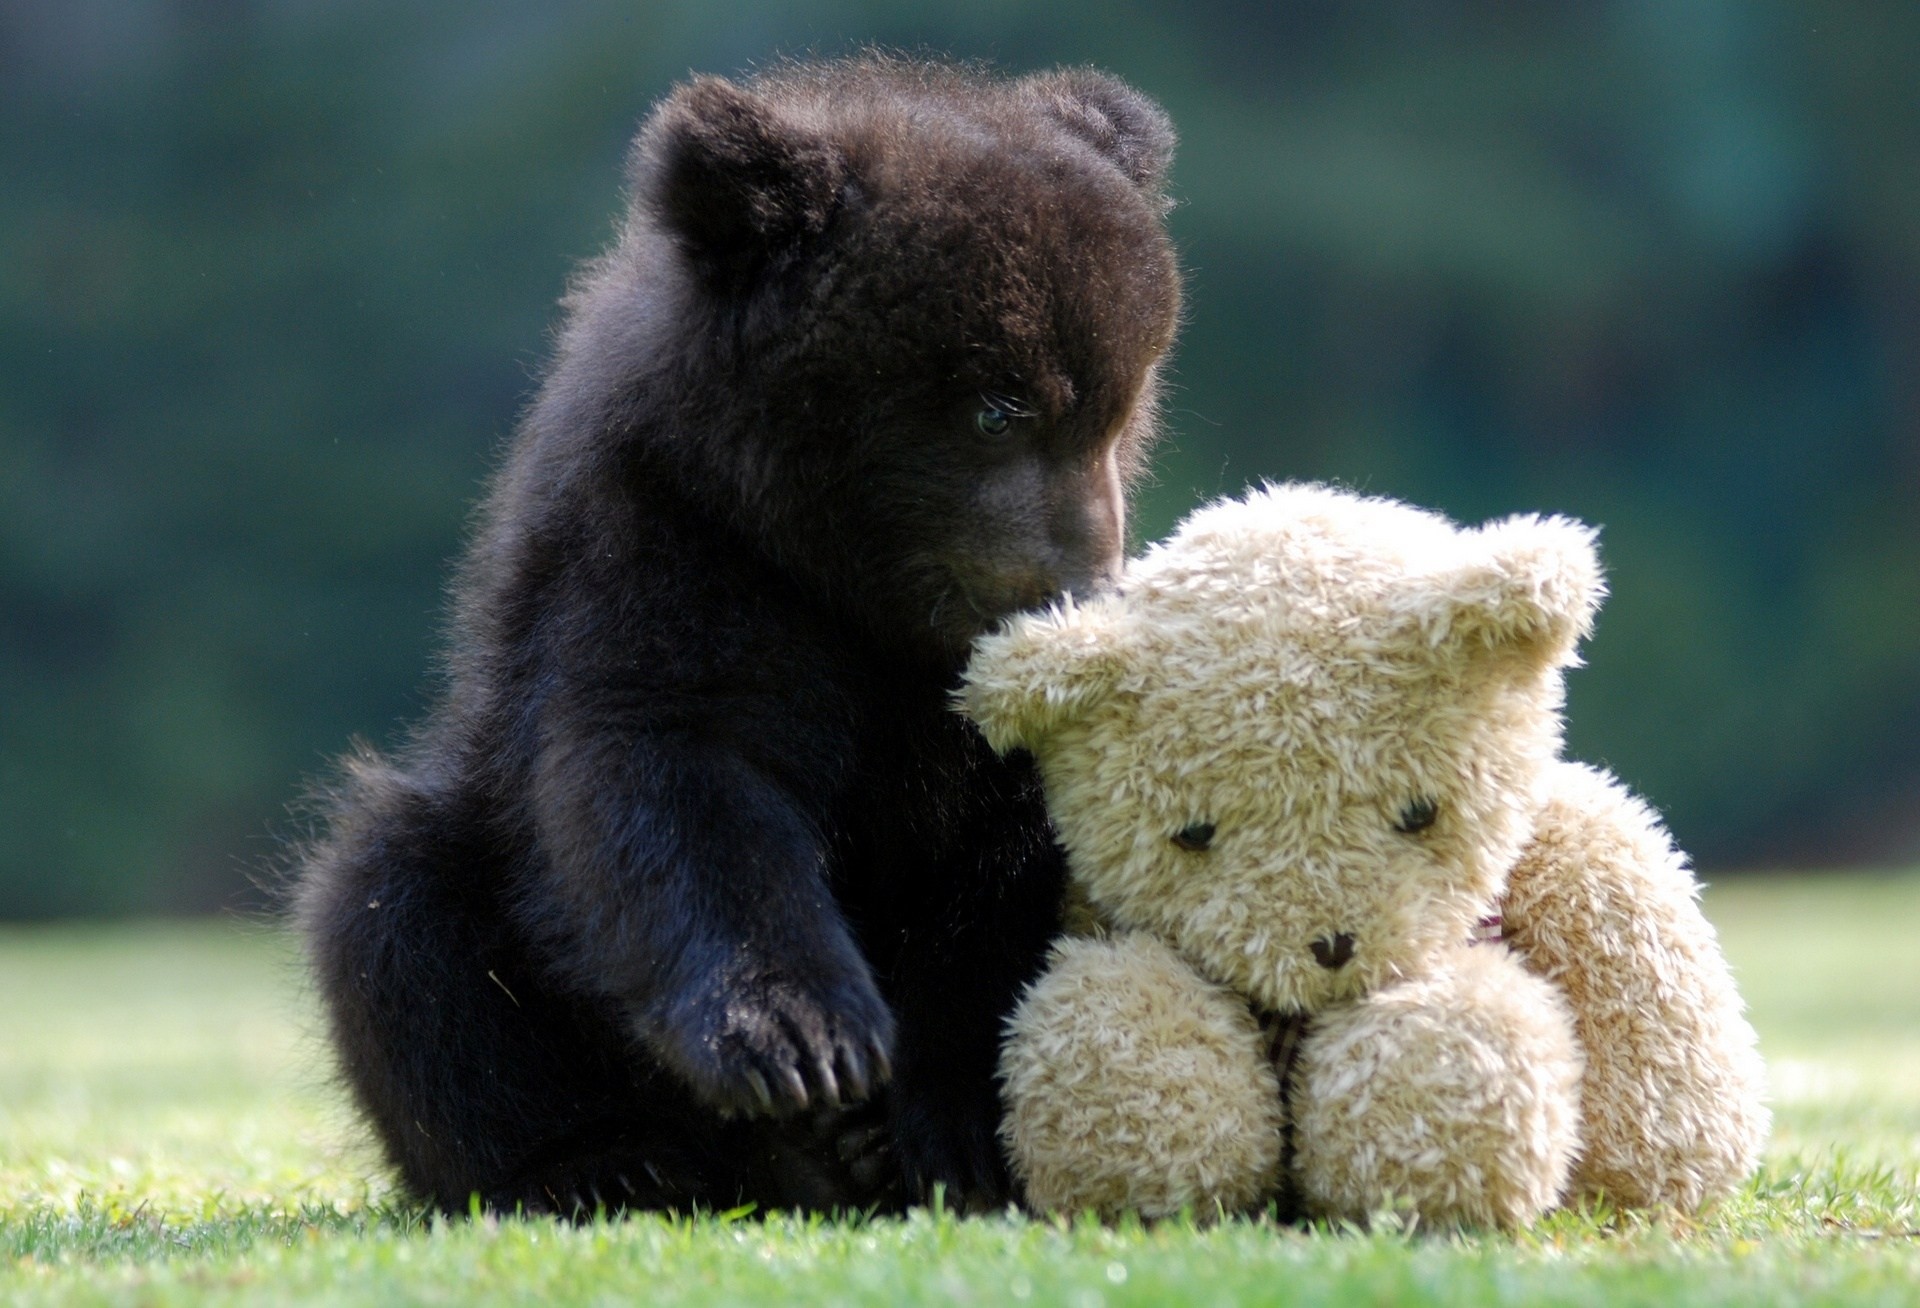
(276, 276)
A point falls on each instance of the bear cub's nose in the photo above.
(1334, 950)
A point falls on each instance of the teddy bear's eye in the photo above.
(1417, 816)
(1195, 837)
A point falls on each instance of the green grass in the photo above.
(167, 1136)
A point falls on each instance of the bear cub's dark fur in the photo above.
(692, 856)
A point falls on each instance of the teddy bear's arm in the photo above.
(1601, 903)
(1132, 1083)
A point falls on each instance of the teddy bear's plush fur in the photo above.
(1298, 761)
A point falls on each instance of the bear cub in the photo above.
(691, 890)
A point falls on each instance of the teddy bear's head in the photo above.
(1300, 741)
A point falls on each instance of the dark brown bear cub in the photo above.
(692, 853)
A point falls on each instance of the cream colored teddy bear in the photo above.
(1304, 762)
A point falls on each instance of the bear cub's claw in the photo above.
(778, 1045)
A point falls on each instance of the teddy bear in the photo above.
(1351, 934)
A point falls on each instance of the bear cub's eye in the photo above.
(997, 413)
(1195, 837)
(1417, 816)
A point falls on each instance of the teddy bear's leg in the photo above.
(1132, 1083)
(1454, 1096)
(1603, 906)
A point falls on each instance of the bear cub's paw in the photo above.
(781, 1040)
(947, 1138)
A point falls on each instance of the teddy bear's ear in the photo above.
(1041, 670)
(1531, 586)
(732, 177)
(1115, 119)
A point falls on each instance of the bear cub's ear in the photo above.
(731, 177)
(1115, 119)
(1040, 671)
(1531, 587)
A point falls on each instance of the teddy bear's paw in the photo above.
(1603, 905)
(1132, 1084)
(1687, 1135)
(1453, 1097)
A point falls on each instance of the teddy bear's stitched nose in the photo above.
(1334, 950)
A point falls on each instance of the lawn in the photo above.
(167, 1136)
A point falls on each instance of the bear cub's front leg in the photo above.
(704, 912)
